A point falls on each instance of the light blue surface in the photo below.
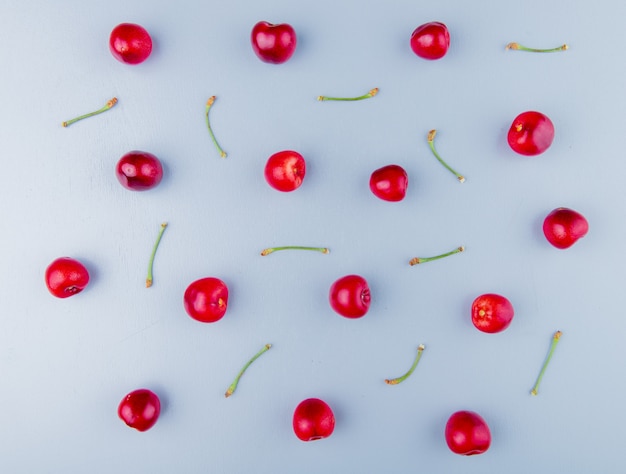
(66, 364)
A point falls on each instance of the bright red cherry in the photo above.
(350, 296)
(563, 227)
(313, 419)
(139, 171)
(492, 313)
(531, 133)
(206, 299)
(285, 170)
(140, 409)
(66, 277)
(431, 40)
(273, 43)
(130, 43)
(389, 183)
(467, 433)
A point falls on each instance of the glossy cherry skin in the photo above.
(140, 409)
(492, 313)
(130, 43)
(206, 299)
(272, 43)
(430, 40)
(285, 170)
(66, 277)
(350, 296)
(313, 419)
(531, 133)
(389, 183)
(139, 171)
(467, 433)
(563, 227)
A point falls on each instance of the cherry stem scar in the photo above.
(209, 103)
(371, 93)
(152, 255)
(398, 380)
(106, 107)
(233, 386)
(294, 247)
(519, 47)
(555, 341)
(418, 260)
(431, 143)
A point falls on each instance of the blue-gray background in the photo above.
(65, 364)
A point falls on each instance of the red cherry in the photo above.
(492, 313)
(350, 296)
(273, 43)
(130, 43)
(66, 277)
(431, 40)
(139, 171)
(563, 227)
(206, 299)
(285, 170)
(389, 183)
(313, 419)
(140, 409)
(467, 433)
(531, 133)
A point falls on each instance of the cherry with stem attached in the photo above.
(106, 107)
(370, 94)
(153, 254)
(294, 247)
(431, 144)
(233, 386)
(519, 47)
(418, 260)
(555, 341)
(209, 103)
(402, 378)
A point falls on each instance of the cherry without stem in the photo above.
(206, 299)
(492, 313)
(285, 170)
(273, 43)
(130, 43)
(350, 296)
(139, 171)
(389, 183)
(313, 419)
(563, 227)
(66, 277)
(467, 433)
(430, 40)
(531, 133)
(140, 409)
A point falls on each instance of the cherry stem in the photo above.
(431, 143)
(555, 341)
(294, 247)
(418, 260)
(519, 47)
(233, 386)
(208, 124)
(371, 93)
(154, 250)
(106, 107)
(398, 380)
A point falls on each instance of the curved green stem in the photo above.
(294, 247)
(555, 341)
(398, 380)
(208, 124)
(431, 143)
(106, 107)
(154, 250)
(519, 47)
(371, 93)
(418, 260)
(233, 386)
